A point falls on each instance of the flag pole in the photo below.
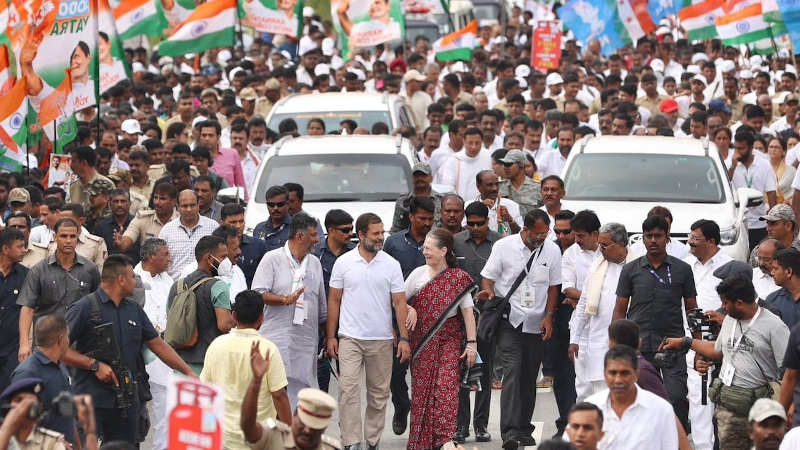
(239, 31)
(27, 147)
(96, 20)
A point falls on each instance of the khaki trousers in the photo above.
(355, 358)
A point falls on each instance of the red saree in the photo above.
(435, 370)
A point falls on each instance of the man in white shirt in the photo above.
(504, 215)
(553, 162)
(633, 418)
(704, 259)
(521, 333)
(416, 99)
(755, 173)
(455, 143)
(762, 275)
(588, 340)
(460, 169)
(361, 282)
(157, 283)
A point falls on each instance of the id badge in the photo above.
(726, 375)
(528, 297)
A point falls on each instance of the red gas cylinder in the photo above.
(193, 423)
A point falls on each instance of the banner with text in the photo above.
(546, 45)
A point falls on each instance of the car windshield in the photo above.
(339, 177)
(332, 119)
(644, 178)
(429, 30)
(487, 11)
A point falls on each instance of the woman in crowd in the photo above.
(784, 173)
(315, 127)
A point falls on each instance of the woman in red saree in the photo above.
(440, 290)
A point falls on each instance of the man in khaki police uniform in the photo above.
(34, 252)
(148, 222)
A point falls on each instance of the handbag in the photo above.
(492, 312)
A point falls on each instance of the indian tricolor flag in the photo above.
(458, 45)
(13, 131)
(210, 25)
(6, 76)
(745, 26)
(699, 20)
(139, 17)
(635, 18)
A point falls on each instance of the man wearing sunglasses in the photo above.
(275, 230)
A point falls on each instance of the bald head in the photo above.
(188, 208)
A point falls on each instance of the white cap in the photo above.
(755, 61)
(522, 83)
(727, 65)
(322, 69)
(657, 65)
(165, 60)
(234, 71)
(522, 71)
(327, 46)
(660, 31)
(308, 11)
(499, 40)
(138, 67)
(553, 79)
(693, 68)
(458, 66)
(701, 79)
(306, 45)
(790, 68)
(336, 62)
(745, 74)
(359, 73)
(697, 57)
(718, 61)
(224, 56)
(131, 126)
(197, 120)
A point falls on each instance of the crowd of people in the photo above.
(490, 284)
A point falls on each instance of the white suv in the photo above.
(621, 177)
(355, 173)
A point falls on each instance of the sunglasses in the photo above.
(562, 231)
(508, 164)
(345, 230)
(476, 224)
(276, 204)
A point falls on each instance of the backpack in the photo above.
(181, 332)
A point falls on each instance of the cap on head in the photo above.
(781, 211)
(19, 195)
(554, 79)
(315, 408)
(421, 167)
(272, 84)
(100, 186)
(764, 408)
(131, 126)
(668, 105)
(514, 157)
(248, 93)
(732, 268)
(413, 75)
(32, 385)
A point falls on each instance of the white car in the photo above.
(365, 109)
(358, 174)
(621, 177)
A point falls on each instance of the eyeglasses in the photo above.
(345, 230)
(276, 204)
(606, 246)
(476, 224)
(558, 231)
(508, 164)
(696, 238)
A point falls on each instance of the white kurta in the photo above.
(155, 306)
(297, 343)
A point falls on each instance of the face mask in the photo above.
(223, 268)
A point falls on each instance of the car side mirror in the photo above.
(752, 196)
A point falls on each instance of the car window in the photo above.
(332, 119)
(644, 178)
(339, 177)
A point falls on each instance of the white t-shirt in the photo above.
(551, 163)
(366, 308)
(460, 169)
(420, 276)
(758, 176)
(510, 205)
(438, 158)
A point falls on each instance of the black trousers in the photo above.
(483, 398)
(521, 356)
(399, 387)
(111, 426)
(561, 367)
(675, 379)
(7, 365)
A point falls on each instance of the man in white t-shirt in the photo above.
(748, 171)
(504, 214)
(362, 282)
(460, 169)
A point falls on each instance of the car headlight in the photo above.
(728, 236)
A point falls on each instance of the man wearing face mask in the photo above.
(213, 302)
(528, 321)
(292, 285)
(228, 270)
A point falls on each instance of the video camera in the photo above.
(709, 331)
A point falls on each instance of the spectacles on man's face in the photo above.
(345, 230)
(605, 246)
(276, 204)
(560, 231)
(694, 238)
(479, 223)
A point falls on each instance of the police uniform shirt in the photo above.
(146, 225)
(56, 380)
(277, 435)
(35, 253)
(49, 288)
(132, 328)
(10, 287)
(79, 191)
(89, 246)
(40, 438)
(327, 259)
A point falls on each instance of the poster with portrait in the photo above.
(110, 55)
(275, 16)
(423, 7)
(366, 23)
(59, 172)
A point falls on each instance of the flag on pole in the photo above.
(139, 17)
(595, 19)
(745, 26)
(13, 131)
(699, 20)
(211, 25)
(635, 18)
(113, 66)
(790, 13)
(7, 77)
(457, 45)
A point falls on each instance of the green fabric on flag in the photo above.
(66, 132)
(222, 38)
(456, 54)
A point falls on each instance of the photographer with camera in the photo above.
(751, 345)
(21, 429)
(108, 325)
(45, 363)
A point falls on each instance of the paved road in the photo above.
(544, 418)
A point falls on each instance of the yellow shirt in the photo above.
(227, 364)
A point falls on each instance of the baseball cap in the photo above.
(700, 78)
(100, 186)
(413, 75)
(718, 105)
(272, 83)
(210, 69)
(209, 91)
(668, 105)
(315, 408)
(790, 97)
(131, 126)
(248, 93)
(513, 157)
(322, 69)
(553, 79)
(19, 195)
(781, 211)
(764, 408)
(421, 167)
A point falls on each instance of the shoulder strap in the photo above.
(524, 272)
(94, 303)
(201, 281)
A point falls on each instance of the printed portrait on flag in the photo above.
(176, 12)
(112, 70)
(365, 23)
(423, 7)
(274, 16)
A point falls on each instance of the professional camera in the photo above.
(668, 358)
(699, 323)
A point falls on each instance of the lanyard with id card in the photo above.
(528, 297)
(727, 372)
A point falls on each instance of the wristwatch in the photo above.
(94, 366)
(402, 339)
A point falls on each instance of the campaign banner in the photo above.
(275, 16)
(176, 12)
(423, 7)
(110, 55)
(194, 414)
(59, 172)
(366, 23)
(546, 45)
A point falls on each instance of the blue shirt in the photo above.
(10, 287)
(327, 258)
(56, 380)
(252, 251)
(788, 307)
(132, 329)
(408, 252)
(273, 237)
(105, 228)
